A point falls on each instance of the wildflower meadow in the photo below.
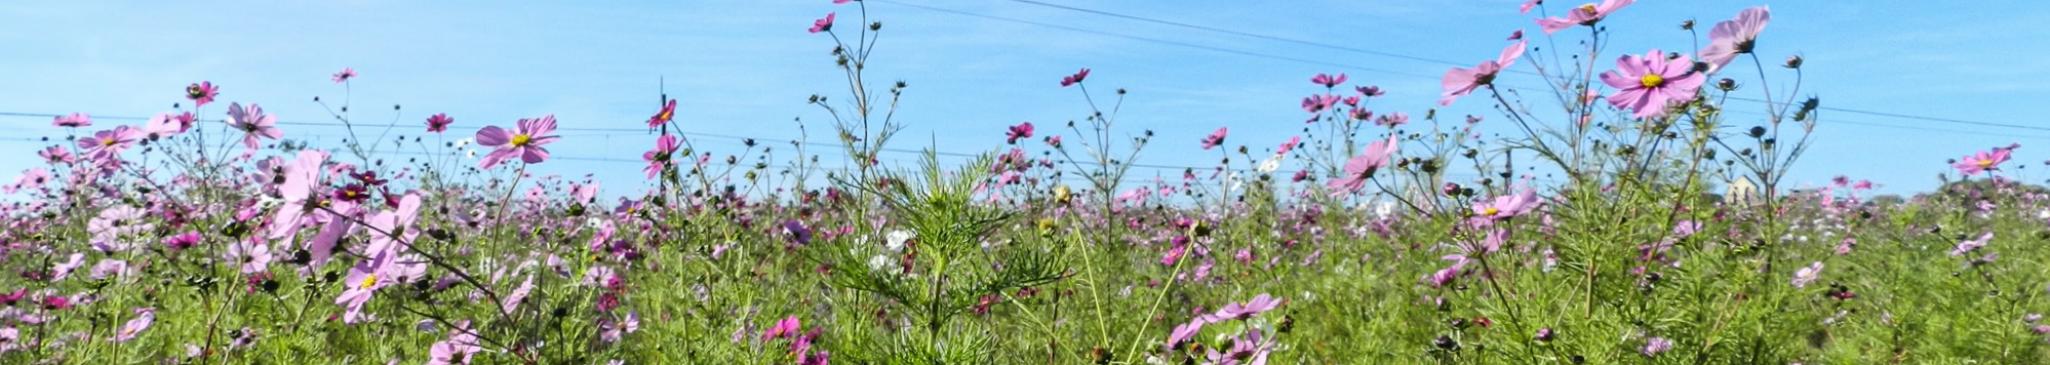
(1624, 216)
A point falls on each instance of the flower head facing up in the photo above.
(202, 93)
(823, 24)
(1984, 161)
(344, 75)
(1328, 81)
(1587, 15)
(1076, 78)
(1362, 167)
(439, 122)
(1462, 81)
(525, 141)
(667, 113)
(1807, 275)
(74, 120)
(1016, 132)
(1214, 139)
(1734, 37)
(253, 123)
(1652, 83)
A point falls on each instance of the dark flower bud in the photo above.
(1794, 62)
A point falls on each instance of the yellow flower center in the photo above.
(521, 140)
(1491, 211)
(1652, 80)
(1588, 7)
(368, 280)
(1985, 164)
(108, 142)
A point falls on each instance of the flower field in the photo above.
(1624, 216)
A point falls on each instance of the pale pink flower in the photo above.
(1462, 81)
(525, 141)
(1586, 15)
(1652, 83)
(1733, 37)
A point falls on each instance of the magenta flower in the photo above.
(1733, 37)
(1461, 81)
(667, 113)
(439, 122)
(1076, 78)
(1288, 146)
(1022, 130)
(1656, 346)
(182, 241)
(823, 24)
(1583, 15)
(1362, 167)
(202, 93)
(1527, 4)
(1396, 119)
(1318, 103)
(1328, 81)
(1214, 139)
(524, 140)
(658, 158)
(1242, 311)
(1651, 83)
(253, 123)
(1369, 91)
(107, 145)
(461, 346)
(789, 326)
(1183, 332)
(344, 75)
(1984, 161)
(73, 121)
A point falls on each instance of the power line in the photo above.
(1364, 51)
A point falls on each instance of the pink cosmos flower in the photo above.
(73, 121)
(1076, 78)
(1651, 83)
(253, 123)
(166, 125)
(823, 24)
(1984, 161)
(1328, 81)
(1527, 4)
(525, 140)
(658, 158)
(1583, 15)
(108, 144)
(1505, 207)
(1516, 35)
(1318, 103)
(1242, 311)
(439, 122)
(1807, 275)
(1733, 37)
(1288, 146)
(512, 300)
(459, 348)
(789, 326)
(252, 256)
(1369, 91)
(300, 192)
(1968, 246)
(143, 318)
(1461, 81)
(182, 241)
(667, 113)
(1022, 130)
(1183, 332)
(1362, 167)
(202, 93)
(344, 75)
(369, 275)
(1214, 139)
(1396, 119)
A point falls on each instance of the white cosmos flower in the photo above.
(895, 240)
(1268, 166)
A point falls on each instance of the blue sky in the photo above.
(746, 67)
